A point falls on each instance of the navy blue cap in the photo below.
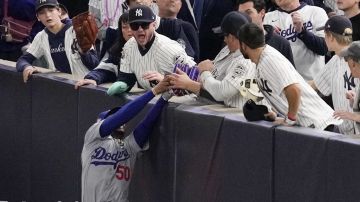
(338, 24)
(141, 13)
(42, 3)
(232, 22)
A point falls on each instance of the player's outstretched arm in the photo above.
(130, 110)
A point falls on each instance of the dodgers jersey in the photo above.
(274, 73)
(41, 47)
(230, 70)
(162, 56)
(336, 79)
(307, 63)
(107, 166)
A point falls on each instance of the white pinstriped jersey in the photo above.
(307, 63)
(336, 79)
(162, 56)
(230, 70)
(107, 166)
(41, 47)
(356, 108)
(274, 73)
(110, 11)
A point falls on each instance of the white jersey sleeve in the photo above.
(37, 46)
(126, 56)
(93, 134)
(220, 90)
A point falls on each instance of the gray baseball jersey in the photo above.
(41, 47)
(274, 73)
(336, 79)
(307, 63)
(162, 56)
(107, 166)
(224, 82)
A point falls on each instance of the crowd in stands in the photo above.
(283, 54)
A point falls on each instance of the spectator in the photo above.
(256, 10)
(351, 10)
(148, 55)
(224, 76)
(108, 179)
(57, 42)
(336, 79)
(177, 29)
(12, 50)
(297, 22)
(108, 69)
(352, 56)
(288, 93)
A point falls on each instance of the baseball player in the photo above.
(352, 56)
(148, 54)
(108, 158)
(224, 77)
(297, 22)
(57, 43)
(336, 78)
(282, 85)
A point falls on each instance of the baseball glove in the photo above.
(85, 29)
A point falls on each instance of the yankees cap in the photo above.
(141, 13)
(353, 51)
(42, 3)
(232, 22)
(338, 24)
(254, 112)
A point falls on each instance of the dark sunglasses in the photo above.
(135, 26)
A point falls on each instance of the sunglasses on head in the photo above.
(135, 25)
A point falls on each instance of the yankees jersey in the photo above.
(107, 166)
(110, 11)
(223, 83)
(307, 63)
(336, 79)
(41, 47)
(161, 56)
(274, 73)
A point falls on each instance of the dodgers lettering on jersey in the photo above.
(162, 56)
(307, 63)
(274, 73)
(107, 166)
(336, 79)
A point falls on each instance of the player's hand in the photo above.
(350, 95)
(162, 86)
(297, 22)
(179, 80)
(153, 76)
(83, 82)
(347, 115)
(28, 71)
(206, 65)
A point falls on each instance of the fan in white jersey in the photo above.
(297, 22)
(146, 52)
(223, 77)
(352, 56)
(108, 158)
(336, 78)
(282, 85)
(57, 43)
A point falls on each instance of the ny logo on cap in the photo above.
(138, 12)
(42, 1)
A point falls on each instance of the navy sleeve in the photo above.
(145, 128)
(101, 76)
(124, 114)
(315, 43)
(90, 59)
(128, 78)
(288, 53)
(25, 60)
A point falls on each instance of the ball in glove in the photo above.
(86, 30)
